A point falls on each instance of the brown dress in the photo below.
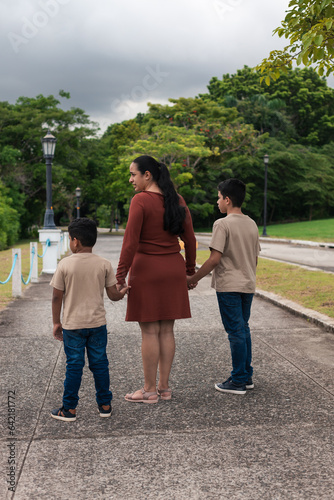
(157, 269)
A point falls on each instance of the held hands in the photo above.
(123, 288)
(117, 292)
(58, 331)
(190, 283)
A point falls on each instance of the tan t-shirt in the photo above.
(83, 277)
(236, 236)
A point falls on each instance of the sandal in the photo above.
(146, 397)
(165, 394)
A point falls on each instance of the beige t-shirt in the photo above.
(83, 277)
(236, 236)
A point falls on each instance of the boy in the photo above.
(234, 251)
(78, 284)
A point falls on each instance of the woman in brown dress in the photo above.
(151, 252)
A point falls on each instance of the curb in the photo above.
(313, 316)
(303, 243)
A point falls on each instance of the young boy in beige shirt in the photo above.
(78, 287)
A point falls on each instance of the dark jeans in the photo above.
(235, 311)
(75, 343)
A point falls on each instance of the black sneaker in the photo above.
(105, 412)
(249, 384)
(64, 415)
(231, 387)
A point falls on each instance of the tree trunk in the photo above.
(112, 217)
(310, 212)
(272, 214)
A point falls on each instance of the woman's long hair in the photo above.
(175, 214)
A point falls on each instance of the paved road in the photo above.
(316, 257)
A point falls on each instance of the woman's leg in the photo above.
(150, 350)
(167, 351)
(158, 347)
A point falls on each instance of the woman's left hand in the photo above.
(191, 285)
(120, 286)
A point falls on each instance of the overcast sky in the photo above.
(115, 56)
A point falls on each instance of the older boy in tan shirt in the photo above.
(233, 259)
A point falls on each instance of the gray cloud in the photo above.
(114, 57)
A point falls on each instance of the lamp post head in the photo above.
(266, 159)
(78, 192)
(49, 145)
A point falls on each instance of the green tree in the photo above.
(298, 107)
(9, 223)
(194, 138)
(267, 115)
(22, 167)
(180, 149)
(315, 183)
(309, 25)
(243, 84)
(188, 113)
(116, 137)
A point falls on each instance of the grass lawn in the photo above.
(315, 230)
(6, 266)
(311, 289)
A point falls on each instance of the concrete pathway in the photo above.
(274, 443)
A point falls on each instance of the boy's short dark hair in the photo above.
(84, 230)
(234, 189)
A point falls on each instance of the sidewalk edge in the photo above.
(313, 316)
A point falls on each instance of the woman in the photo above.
(159, 293)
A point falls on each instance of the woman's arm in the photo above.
(131, 239)
(189, 240)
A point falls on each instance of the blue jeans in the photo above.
(235, 311)
(75, 343)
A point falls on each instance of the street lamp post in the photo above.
(49, 146)
(50, 235)
(78, 194)
(266, 161)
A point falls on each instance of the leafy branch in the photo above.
(309, 26)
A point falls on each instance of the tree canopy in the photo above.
(203, 140)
